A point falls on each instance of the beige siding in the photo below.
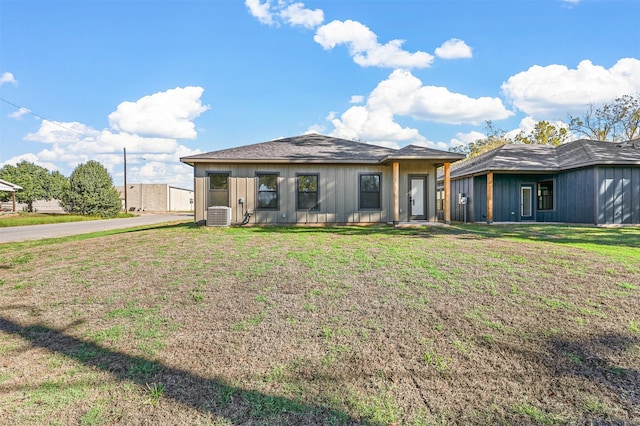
(338, 192)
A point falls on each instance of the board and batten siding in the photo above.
(618, 195)
(591, 195)
(463, 186)
(338, 192)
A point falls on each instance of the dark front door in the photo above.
(526, 202)
(417, 197)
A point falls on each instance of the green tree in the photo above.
(36, 181)
(91, 192)
(614, 121)
(544, 133)
(495, 138)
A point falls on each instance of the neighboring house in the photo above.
(10, 187)
(319, 179)
(584, 181)
(39, 206)
(156, 197)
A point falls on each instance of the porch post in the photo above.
(396, 193)
(447, 193)
(13, 197)
(490, 197)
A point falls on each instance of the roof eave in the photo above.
(193, 161)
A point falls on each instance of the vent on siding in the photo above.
(219, 216)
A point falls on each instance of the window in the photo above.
(545, 195)
(219, 189)
(440, 199)
(267, 190)
(370, 191)
(308, 192)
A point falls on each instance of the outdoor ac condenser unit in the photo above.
(219, 216)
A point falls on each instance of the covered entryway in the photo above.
(417, 197)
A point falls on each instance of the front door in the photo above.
(417, 198)
(526, 202)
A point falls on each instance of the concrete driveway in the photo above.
(36, 232)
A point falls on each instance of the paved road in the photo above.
(36, 232)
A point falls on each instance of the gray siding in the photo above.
(463, 186)
(338, 192)
(593, 195)
(480, 198)
(574, 198)
(618, 195)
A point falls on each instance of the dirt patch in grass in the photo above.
(189, 325)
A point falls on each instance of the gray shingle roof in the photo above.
(315, 148)
(544, 158)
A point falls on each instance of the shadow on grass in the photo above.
(628, 237)
(556, 234)
(589, 359)
(238, 405)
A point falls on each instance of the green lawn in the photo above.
(376, 325)
(23, 219)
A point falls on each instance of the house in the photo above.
(156, 197)
(317, 179)
(10, 187)
(584, 181)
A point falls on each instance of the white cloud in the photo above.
(374, 126)
(291, 13)
(72, 143)
(31, 158)
(260, 10)
(297, 14)
(454, 49)
(404, 95)
(356, 99)
(166, 114)
(315, 128)
(364, 47)
(462, 139)
(61, 132)
(17, 115)
(7, 77)
(555, 90)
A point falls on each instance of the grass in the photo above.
(25, 219)
(351, 325)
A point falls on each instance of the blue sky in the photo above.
(81, 80)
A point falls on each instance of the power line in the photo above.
(55, 123)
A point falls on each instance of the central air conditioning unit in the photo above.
(219, 216)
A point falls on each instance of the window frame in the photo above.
(360, 191)
(210, 190)
(317, 192)
(552, 198)
(277, 190)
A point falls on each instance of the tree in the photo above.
(611, 122)
(544, 133)
(628, 109)
(495, 138)
(36, 181)
(91, 192)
